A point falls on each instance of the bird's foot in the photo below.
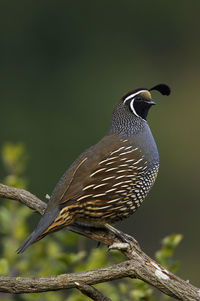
(134, 241)
(127, 241)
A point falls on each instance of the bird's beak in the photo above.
(151, 102)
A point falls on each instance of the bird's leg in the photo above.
(127, 240)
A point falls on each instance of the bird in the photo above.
(109, 181)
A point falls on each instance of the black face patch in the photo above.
(141, 107)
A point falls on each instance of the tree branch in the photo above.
(23, 196)
(91, 292)
(138, 266)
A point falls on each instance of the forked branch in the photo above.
(138, 266)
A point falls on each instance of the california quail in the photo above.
(110, 180)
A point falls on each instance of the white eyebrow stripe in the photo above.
(133, 95)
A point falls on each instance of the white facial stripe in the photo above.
(133, 95)
(132, 107)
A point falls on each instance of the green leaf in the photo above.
(72, 258)
(14, 158)
(165, 255)
(5, 224)
(172, 240)
(4, 268)
(141, 291)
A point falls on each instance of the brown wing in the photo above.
(104, 182)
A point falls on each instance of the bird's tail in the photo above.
(50, 222)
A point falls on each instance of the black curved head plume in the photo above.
(162, 88)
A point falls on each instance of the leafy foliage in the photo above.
(165, 255)
(50, 257)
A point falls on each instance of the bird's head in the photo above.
(139, 101)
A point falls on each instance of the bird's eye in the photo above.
(138, 98)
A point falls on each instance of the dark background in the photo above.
(64, 65)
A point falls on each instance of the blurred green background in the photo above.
(64, 65)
